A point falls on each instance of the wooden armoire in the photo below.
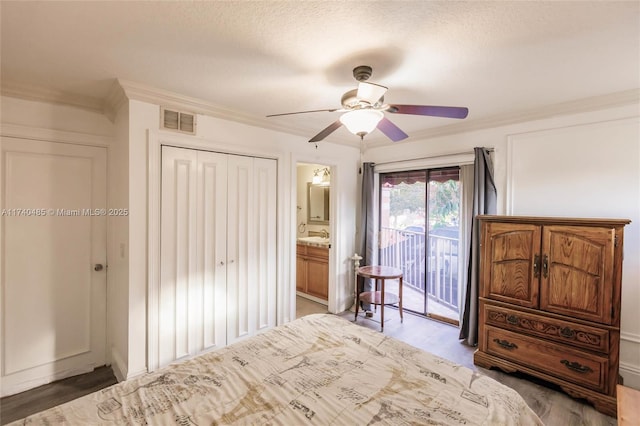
(550, 302)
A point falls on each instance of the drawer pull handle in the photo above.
(505, 344)
(536, 266)
(513, 320)
(577, 367)
(545, 266)
(567, 332)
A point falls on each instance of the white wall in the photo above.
(118, 247)
(127, 275)
(40, 115)
(582, 165)
(58, 123)
(617, 151)
(230, 137)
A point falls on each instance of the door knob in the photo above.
(98, 267)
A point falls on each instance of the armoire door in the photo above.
(511, 263)
(577, 271)
(53, 293)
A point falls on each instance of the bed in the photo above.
(317, 370)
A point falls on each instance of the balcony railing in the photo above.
(430, 267)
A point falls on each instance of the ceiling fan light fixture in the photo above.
(361, 121)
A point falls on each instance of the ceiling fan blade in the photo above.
(327, 131)
(370, 92)
(303, 112)
(392, 131)
(434, 111)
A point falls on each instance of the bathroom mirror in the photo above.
(317, 204)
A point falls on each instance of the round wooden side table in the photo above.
(379, 296)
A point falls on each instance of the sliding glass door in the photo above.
(420, 234)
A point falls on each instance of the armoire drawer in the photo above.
(583, 368)
(559, 331)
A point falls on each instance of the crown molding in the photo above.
(617, 99)
(124, 90)
(32, 92)
(116, 99)
(42, 134)
(144, 93)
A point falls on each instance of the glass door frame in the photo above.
(409, 238)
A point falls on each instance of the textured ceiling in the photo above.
(258, 58)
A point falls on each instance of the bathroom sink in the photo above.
(317, 240)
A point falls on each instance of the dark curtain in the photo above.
(484, 202)
(367, 226)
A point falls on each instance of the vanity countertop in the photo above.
(315, 241)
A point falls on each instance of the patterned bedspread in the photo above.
(317, 370)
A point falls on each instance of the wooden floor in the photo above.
(552, 406)
(17, 406)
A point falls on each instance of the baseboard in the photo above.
(118, 365)
(631, 375)
(629, 344)
(11, 386)
(133, 375)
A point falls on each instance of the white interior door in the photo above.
(193, 244)
(265, 195)
(53, 233)
(251, 246)
(217, 250)
(241, 249)
(212, 248)
(178, 250)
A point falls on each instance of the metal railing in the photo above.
(430, 267)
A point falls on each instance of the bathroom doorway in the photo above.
(313, 231)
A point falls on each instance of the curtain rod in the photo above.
(433, 156)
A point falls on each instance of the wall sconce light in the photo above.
(316, 177)
(321, 177)
(326, 177)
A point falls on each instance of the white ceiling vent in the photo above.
(183, 122)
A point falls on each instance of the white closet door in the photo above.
(265, 189)
(217, 250)
(241, 249)
(210, 316)
(178, 249)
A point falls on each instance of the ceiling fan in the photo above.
(364, 109)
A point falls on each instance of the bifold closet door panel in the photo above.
(209, 317)
(178, 271)
(265, 178)
(193, 253)
(241, 249)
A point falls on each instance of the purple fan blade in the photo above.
(302, 112)
(327, 131)
(434, 111)
(392, 131)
